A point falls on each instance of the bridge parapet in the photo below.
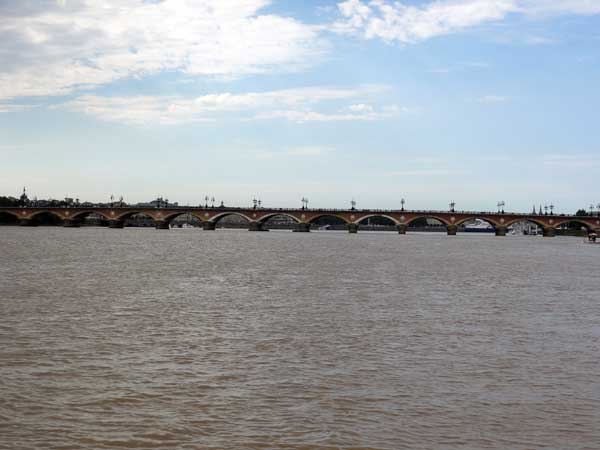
(162, 217)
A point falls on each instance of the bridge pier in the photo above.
(162, 225)
(256, 226)
(352, 228)
(27, 223)
(452, 229)
(549, 231)
(71, 223)
(501, 231)
(402, 228)
(302, 228)
(209, 226)
(116, 223)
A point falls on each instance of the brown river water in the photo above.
(189, 339)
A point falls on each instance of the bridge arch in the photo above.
(370, 216)
(170, 218)
(425, 217)
(83, 214)
(8, 218)
(535, 221)
(485, 219)
(46, 218)
(216, 219)
(136, 218)
(579, 222)
(328, 215)
(135, 212)
(266, 217)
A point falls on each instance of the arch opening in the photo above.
(525, 227)
(476, 225)
(377, 223)
(138, 220)
(231, 220)
(184, 220)
(328, 222)
(91, 219)
(427, 224)
(573, 228)
(279, 222)
(46, 218)
(8, 219)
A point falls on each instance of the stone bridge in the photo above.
(303, 218)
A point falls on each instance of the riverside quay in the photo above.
(303, 218)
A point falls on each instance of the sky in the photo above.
(471, 101)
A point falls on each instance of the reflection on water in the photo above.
(186, 339)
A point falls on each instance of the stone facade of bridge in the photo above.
(257, 218)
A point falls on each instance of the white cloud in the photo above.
(396, 21)
(493, 99)
(310, 151)
(54, 48)
(296, 105)
(13, 107)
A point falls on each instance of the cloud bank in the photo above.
(396, 21)
(57, 47)
(296, 105)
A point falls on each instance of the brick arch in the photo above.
(129, 214)
(268, 216)
(493, 223)
(368, 216)
(83, 214)
(587, 225)
(49, 212)
(216, 218)
(318, 216)
(171, 217)
(10, 213)
(539, 223)
(429, 216)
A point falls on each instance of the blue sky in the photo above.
(474, 101)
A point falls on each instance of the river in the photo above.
(189, 339)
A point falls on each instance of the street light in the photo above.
(255, 202)
(259, 203)
(501, 205)
(352, 204)
(206, 201)
(452, 205)
(545, 210)
(598, 206)
(212, 200)
(402, 202)
(551, 209)
(304, 203)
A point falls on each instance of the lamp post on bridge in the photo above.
(352, 205)
(255, 202)
(598, 206)
(551, 209)
(402, 202)
(591, 210)
(452, 206)
(206, 201)
(304, 203)
(545, 210)
(501, 205)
